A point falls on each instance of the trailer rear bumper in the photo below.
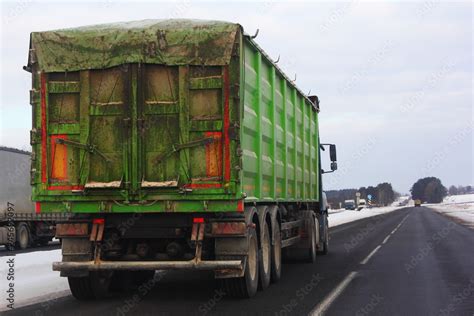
(148, 265)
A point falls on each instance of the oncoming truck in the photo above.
(173, 144)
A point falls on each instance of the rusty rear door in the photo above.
(85, 140)
(140, 129)
(181, 128)
(109, 124)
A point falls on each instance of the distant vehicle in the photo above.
(349, 205)
(403, 203)
(362, 204)
(21, 226)
(417, 203)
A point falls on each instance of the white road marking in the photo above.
(398, 226)
(404, 219)
(331, 297)
(370, 255)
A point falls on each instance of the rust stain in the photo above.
(58, 158)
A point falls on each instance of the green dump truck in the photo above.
(174, 144)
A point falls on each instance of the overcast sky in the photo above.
(394, 78)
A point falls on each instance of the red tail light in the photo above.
(197, 220)
(240, 206)
(99, 221)
(37, 207)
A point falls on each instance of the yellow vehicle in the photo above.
(417, 202)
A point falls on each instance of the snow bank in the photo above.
(342, 216)
(465, 198)
(458, 207)
(34, 278)
(338, 217)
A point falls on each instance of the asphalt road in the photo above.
(408, 262)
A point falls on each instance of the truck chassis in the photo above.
(245, 249)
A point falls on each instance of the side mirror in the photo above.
(333, 155)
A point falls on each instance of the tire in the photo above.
(22, 236)
(80, 288)
(325, 243)
(313, 247)
(265, 257)
(246, 286)
(94, 286)
(276, 254)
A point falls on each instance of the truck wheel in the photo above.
(80, 288)
(22, 236)
(325, 243)
(313, 243)
(96, 285)
(247, 285)
(276, 254)
(265, 257)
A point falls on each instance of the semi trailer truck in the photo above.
(20, 226)
(174, 145)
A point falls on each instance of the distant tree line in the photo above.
(429, 189)
(458, 190)
(381, 194)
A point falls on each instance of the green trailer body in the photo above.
(174, 144)
(166, 116)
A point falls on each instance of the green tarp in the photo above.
(169, 42)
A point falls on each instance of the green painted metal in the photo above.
(161, 136)
(279, 134)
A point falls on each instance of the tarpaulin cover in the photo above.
(168, 42)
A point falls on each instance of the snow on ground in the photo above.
(35, 281)
(342, 216)
(459, 207)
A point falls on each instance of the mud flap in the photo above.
(231, 248)
(76, 249)
(82, 249)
